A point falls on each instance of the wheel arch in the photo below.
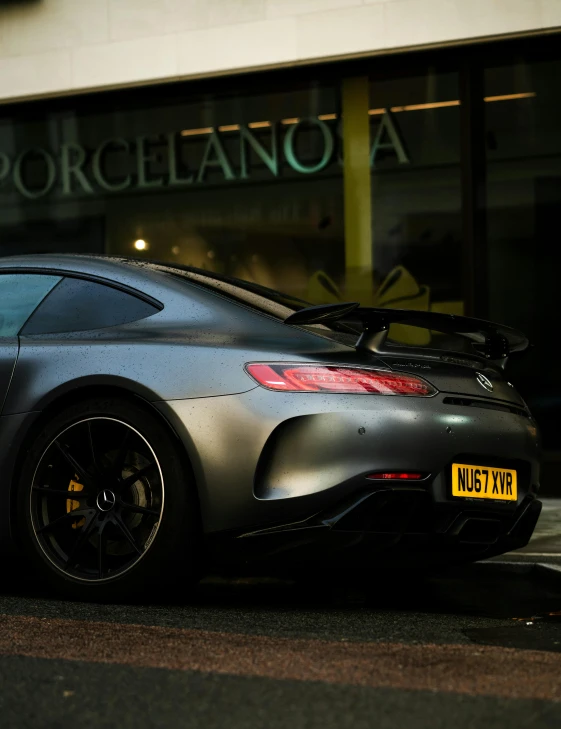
(70, 395)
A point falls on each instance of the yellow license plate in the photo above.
(484, 482)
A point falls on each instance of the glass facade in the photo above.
(523, 172)
(347, 182)
(248, 186)
(416, 195)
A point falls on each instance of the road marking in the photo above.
(462, 669)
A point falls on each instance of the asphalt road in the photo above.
(474, 647)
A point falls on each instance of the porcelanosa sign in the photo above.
(151, 162)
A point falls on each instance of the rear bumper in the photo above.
(267, 458)
(387, 527)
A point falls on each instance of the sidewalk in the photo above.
(544, 549)
(545, 545)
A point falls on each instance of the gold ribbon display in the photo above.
(399, 290)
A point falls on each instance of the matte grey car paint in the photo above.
(8, 357)
(315, 447)
(258, 456)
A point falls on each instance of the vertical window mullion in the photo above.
(357, 189)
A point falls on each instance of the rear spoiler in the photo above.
(489, 341)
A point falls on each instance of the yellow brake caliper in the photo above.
(71, 504)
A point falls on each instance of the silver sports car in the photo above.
(158, 421)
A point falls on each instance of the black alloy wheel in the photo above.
(97, 499)
(101, 492)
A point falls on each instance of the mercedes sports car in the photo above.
(159, 421)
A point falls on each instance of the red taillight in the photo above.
(329, 378)
(394, 476)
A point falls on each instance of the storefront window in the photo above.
(347, 189)
(523, 118)
(244, 185)
(253, 186)
(416, 194)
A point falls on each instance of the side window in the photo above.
(79, 305)
(20, 294)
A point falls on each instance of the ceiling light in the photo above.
(511, 97)
(371, 112)
(195, 132)
(432, 105)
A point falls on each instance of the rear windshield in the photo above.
(258, 297)
(263, 299)
(281, 306)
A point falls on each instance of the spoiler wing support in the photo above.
(490, 341)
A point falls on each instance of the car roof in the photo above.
(79, 262)
(150, 279)
(129, 272)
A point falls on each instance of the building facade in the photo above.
(399, 152)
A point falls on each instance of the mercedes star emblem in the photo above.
(485, 382)
(105, 500)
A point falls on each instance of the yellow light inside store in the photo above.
(140, 245)
(510, 97)
(372, 112)
(195, 132)
(432, 105)
(357, 190)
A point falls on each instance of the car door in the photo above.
(20, 294)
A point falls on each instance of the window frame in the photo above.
(93, 278)
(31, 273)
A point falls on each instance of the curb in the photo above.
(548, 574)
(507, 565)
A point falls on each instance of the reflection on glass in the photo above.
(245, 185)
(523, 147)
(260, 194)
(416, 196)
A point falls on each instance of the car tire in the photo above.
(130, 523)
